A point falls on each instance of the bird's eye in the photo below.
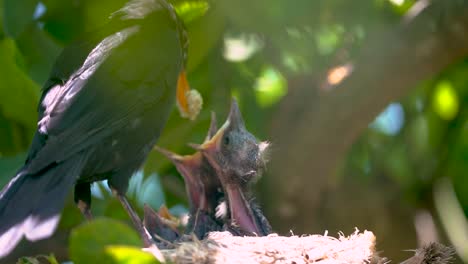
(226, 140)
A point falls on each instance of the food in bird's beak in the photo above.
(189, 101)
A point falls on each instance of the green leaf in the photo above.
(17, 15)
(35, 260)
(18, 92)
(189, 11)
(130, 255)
(39, 51)
(445, 101)
(28, 260)
(90, 242)
(51, 258)
(270, 87)
(204, 33)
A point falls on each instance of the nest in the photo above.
(223, 247)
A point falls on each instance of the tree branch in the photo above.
(314, 128)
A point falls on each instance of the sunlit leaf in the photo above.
(445, 101)
(17, 15)
(90, 241)
(191, 10)
(397, 2)
(270, 87)
(130, 255)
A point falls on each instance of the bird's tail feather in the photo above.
(30, 204)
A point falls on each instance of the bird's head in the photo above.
(189, 101)
(235, 151)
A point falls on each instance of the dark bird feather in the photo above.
(101, 111)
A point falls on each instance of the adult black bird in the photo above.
(101, 111)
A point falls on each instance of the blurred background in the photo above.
(365, 104)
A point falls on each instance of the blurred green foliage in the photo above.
(116, 243)
(37, 260)
(254, 50)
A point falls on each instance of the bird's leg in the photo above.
(85, 210)
(160, 231)
(145, 235)
(83, 199)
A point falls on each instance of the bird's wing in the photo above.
(117, 81)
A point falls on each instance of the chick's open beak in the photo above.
(213, 140)
(189, 167)
(189, 101)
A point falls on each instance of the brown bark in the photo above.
(315, 127)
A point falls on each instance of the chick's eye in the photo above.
(226, 140)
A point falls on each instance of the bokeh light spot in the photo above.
(337, 74)
(397, 2)
(391, 120)
(190, 11)
(39, 11)
(445, 101)
(241, 48)
(270, 87)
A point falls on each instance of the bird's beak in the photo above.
(235, 120)
(241, 213)
(189, 101)
(213, 127)
(211, 145)
(158, 227)
(182, 89)
(189, 167)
